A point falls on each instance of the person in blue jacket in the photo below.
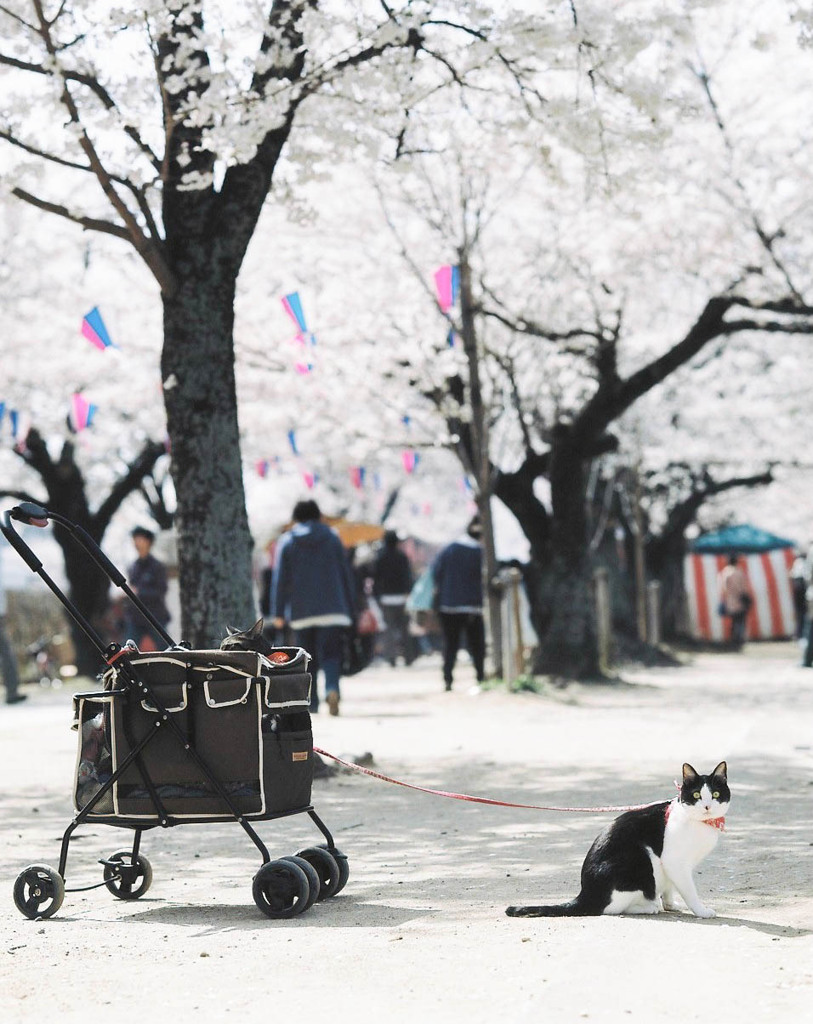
(458, 576)
(312, 591)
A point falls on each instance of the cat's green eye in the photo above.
(695, 796)
(715, 795)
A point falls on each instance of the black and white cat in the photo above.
(646, 857)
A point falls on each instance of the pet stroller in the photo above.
(179, 737)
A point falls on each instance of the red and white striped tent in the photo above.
(766, 560)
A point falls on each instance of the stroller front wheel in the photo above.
(125, 878)
(281, 889)
(39, 891)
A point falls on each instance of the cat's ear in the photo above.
(689, 773)
(231, 630)
(721, 771)
(257, 628)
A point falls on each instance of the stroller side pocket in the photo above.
(288, 763)
(287, 742)
(94, 765)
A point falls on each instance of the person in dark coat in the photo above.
(312, 591)
(458, 581)
(148, 580)
(392, 583)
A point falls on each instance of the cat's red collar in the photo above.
(718, 823)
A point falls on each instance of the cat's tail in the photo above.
(578, 907)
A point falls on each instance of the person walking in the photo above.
(799, 573)
(8, 662)
(458, 578)
(312, 591)
(392, 583)
(735, 599)
(147, 577)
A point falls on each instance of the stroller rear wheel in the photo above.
(39, 891)
(326, 867)
(344, 867)
(281, 889)
(125, 878)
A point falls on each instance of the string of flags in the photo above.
(359, 476)
(80, 411)
(305, 339)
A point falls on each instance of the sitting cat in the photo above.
(646, 856)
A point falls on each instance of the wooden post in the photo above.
(519, 643)
(513, 654)
(640, 570)
(601, 580)
(653, 613)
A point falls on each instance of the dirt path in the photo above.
(419, 933)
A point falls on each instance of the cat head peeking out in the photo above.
(251, 639)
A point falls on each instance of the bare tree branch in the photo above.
(138, 193)
(89, 223)
(141, 467)
(148, 248)
(766, 239)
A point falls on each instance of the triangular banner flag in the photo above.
(94, 330)
(82, 412)
(447, 286)
(292, 305)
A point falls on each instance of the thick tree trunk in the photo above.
(570, 645)
(214, 542)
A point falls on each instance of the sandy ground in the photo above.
(419, 933)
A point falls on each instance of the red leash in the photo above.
(478, 799)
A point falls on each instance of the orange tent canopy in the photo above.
(351, 533)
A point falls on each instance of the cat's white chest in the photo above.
(686, 841)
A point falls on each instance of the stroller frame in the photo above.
(281, 888)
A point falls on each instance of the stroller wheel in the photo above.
(127, 879)
(326, 867)
(341, 860)
(39, 891)
(281, 889)
(314, 885)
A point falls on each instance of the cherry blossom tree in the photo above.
(599, 343)
(163, 126)
(628, 230)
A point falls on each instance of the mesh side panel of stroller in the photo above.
(246, 717)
